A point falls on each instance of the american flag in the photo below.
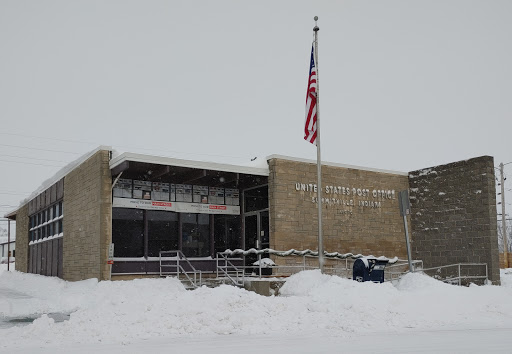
(310, 123)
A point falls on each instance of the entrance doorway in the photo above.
(256, 231)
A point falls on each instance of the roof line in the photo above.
(56, 177)
(160, 160)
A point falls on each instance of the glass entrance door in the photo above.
(256, 229)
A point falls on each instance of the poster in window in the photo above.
(173, 192)
(184, 193)
(216, 195)
(141, 189)
(188, 193)
(232, 196)
(160, 191)
(200, 194)
(123, 188)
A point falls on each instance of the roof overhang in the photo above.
(122, 162)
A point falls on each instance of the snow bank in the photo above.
(311, 302)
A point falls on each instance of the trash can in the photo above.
(369, 269)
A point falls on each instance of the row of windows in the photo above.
(126, 188)
(46, 223)
(50, 229)
(46, 215)
(161, 231)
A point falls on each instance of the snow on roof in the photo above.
(334, 164)
(57, 176)
(160, 160)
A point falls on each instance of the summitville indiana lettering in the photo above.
(348, 196)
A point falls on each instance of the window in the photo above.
(42, 224)
(196, 234)
(128, 232)
(228, 232)
(162, 232)
(256, 199)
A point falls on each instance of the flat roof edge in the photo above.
(160, 160)
(63, 172)
(334, 164)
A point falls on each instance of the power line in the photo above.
(31, 158)
(47, 138)
(39, 149)
(124, 146)
(32, 163)
(15, 193)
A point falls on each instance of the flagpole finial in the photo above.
(315, 29)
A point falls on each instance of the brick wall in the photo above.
(367, 229)
(454, 214)
(22, 239)
(502, 260)
(87, 219)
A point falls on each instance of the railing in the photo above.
(229, 270)
(237, 274)
(458, 274)
(395, 271)
(179, 268)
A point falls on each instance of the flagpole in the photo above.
(318, 158)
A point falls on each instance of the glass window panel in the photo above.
(61, 211)
(162, 232)
(160, 191)
(196, 234)
(256, 199)
(128, 232)
(50, 229)
(228, 232)
(123, 188)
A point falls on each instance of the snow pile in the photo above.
(506, 277)
(310, 302)
(265, 263)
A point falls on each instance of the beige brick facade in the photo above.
(87, 219)
(367, 221)
(22, 239)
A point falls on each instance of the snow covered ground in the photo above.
(315, 314)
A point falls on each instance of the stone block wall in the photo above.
(360, 209)
(22, 223)
(453, 214)
(87, 219)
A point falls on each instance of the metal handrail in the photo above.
(180, 255)
(225, 269)
(451, 280)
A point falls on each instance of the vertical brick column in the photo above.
(454, 214)
(22, 239)
(87, 219)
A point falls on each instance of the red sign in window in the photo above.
(164, 204)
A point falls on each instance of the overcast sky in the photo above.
(403, 84)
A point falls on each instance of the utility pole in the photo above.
(503, 216)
